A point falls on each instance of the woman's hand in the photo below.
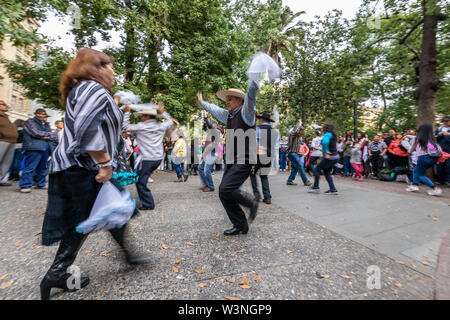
(126, 108)
(104, 175)
(326, 155)
(200, 97)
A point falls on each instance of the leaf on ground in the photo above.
(190, 244)
(243, 274)
(398, 285)
(256, 278)
(345, 276)
(177, 261)
(165, 246)
(16, 243)
(183, 259)
(230, 280)
(240, 251)
(216, 278)
(3, 276)
(231, 298)
(425, 263)
(399, 262)
(38, 247)
(7, 285)
(289, 251)
(202, 285)
(435, 218)
(132, 234)
(324, 276)
(175, 269)
(102, 290)
(199, 271)
(244, 282)
(87, 251)
(106, 254)
(245, 286)
(374, 244)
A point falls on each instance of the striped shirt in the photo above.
(93, 122)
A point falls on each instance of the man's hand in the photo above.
(175, 122)
(126, 108)
(200, 97)
(326, 155)
(160, 108)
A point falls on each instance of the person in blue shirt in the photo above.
(329, 159)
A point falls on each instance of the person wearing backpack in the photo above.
(377, 149)
(428, 153)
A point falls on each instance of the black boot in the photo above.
(119, 237)
(248, 201)
(57, 275)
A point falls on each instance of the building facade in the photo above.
(12, 93)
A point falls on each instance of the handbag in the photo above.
(437, 153)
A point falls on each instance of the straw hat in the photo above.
(222, 95)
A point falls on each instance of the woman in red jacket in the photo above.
(398, 154)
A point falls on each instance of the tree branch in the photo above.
(402, 41)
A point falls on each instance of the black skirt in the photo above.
(71, 196)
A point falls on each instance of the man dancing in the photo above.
(239, 116)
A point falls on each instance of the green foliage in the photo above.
(41, 80)
(170, 50)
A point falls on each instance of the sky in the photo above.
(56, 29)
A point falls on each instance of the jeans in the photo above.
(326, 165)
(276, 160)
(178, 166)
(348, 169)
(297, 167)
(283, 160)
(420, 171)
(146, 170)
(205, 170)
(34, 161)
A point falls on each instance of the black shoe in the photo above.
(134, 260)
(47, 284)
(331, 192)
(5, 184)
(253, 211)
(146, 208)
(180, 179)
(235, 231)
(267, 201)
(186, 176)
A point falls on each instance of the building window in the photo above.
(20, 104)
(13, 102)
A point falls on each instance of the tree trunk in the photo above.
(428, 77)
(130, 51)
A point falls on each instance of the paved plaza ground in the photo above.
(303, 246)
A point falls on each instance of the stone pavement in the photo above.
(287, 254)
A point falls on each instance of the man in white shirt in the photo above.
(316, 146)
(149, 136)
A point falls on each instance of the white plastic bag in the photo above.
(263, 64)
(127, 97)
(112, 209)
